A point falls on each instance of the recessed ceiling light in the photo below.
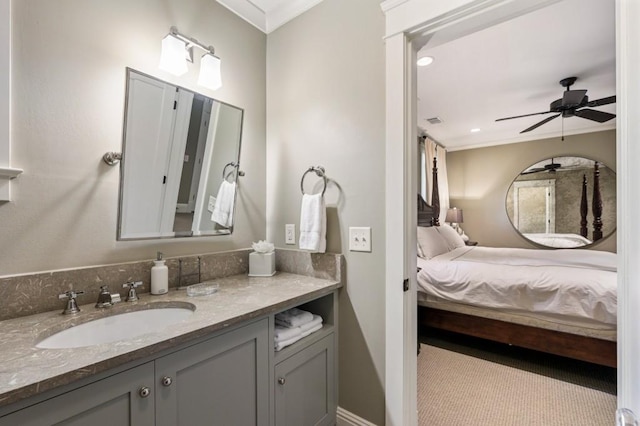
(424, 61)
(475, 130)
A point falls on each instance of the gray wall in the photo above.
(480, 178)
(325, 106)
(68, 84)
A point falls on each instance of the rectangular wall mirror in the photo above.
(180, 160)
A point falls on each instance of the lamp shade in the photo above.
(454, 215)
(173, 58)
(210, 75)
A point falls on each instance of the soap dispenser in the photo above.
(159, 276)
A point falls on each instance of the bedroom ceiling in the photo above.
(514, 68)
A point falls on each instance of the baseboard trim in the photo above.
(347, 418)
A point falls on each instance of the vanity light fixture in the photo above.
(177, 49)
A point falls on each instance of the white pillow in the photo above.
(451, 236)
(431, 242)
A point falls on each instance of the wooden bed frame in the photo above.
(589, 349)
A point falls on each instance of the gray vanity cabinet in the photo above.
(123, 399)
(305, 386)
(221, 381)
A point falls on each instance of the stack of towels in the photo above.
(294, 324)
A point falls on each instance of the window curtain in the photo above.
(431, 150)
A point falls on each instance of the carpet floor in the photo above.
(471, 382)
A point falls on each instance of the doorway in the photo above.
(409, 25)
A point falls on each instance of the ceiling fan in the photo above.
(551, 168)
(573, 102)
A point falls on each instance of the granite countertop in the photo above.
(26, 370)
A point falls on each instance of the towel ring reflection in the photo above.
(233, 165)
(319, 170)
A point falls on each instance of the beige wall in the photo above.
(480, 178)
(68, 70)
(325, 106)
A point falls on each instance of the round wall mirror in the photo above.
(563, 202)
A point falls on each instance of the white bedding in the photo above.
(559, 240)
(573, 283)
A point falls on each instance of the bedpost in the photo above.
(584, 206)
(597, 204)
(435, 195)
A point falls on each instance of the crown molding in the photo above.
(387, 5)
(269, 19)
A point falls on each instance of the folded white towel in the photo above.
(279, 345)
(313, 223)
(311, 330)
(223, 210)
(286, 333)
(317, 319)
(283, 344)
(293, 318)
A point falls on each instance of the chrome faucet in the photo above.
(104, 298)
(132, 296)
(72, 305)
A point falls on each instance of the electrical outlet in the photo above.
(360, 239)
(212, 203)
(290, 234)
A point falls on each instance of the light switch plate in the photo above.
(290, 234)
(360, 238)
(212, 203)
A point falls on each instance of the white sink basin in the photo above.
(113, 328)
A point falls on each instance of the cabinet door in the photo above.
(305, 386)
(222, 381)
(115, 400)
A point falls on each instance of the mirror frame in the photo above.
(235, 173)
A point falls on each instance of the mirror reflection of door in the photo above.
(534, 206)
(177, 145)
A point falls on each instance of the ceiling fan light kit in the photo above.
(573, 103)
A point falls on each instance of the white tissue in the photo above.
(263, 247)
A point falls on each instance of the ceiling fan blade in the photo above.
(595, 115)
(535, 126)
(528, 172)
(525, 115)
(603, 101)
(573, 97)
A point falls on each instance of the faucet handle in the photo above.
(132, 296)
(70, 294)
(72, 305)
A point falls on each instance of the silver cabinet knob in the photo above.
(281, 380)
(144, 392)
(166, 381)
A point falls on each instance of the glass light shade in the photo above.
(173, 59)
(210, 76)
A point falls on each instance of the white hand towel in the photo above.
(293, 318)
(223, 210)
(286, 333)
(313, 223)
(317, 319)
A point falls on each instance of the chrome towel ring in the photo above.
(319, 171)
(233, 165)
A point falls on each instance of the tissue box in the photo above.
(262, 264)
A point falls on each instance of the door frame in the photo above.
(409, 23)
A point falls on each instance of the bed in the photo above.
(557, 301)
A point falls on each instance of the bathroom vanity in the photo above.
(218, 366)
